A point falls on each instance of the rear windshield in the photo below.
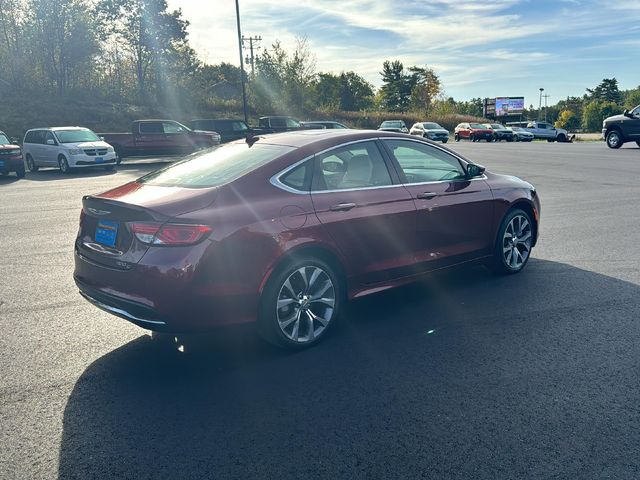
(477, 125)
(392, 123)
(217, 166)
(431, 126)
(76, 136)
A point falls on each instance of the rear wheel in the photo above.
(118, 151)
(614, 139)
(456, 137)
(514, 242)
(300, 302)
(31, 165)
(551, 140)
(63, 164)
(20, 173)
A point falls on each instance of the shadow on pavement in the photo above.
(466, 375)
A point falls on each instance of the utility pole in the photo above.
(253, 45)
(545, 106)
(244, 93)
(540, 105)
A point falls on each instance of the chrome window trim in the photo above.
(275, 179)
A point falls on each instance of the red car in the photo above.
(283, 229)
(474, 132)
(10, 157)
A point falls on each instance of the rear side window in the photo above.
(298, 177)
(216, 167)
(359, 165)
(35, 136)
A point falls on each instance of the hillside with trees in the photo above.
(104, 63)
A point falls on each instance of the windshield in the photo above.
(497, 126)
(216, 166)
(4, 140)
(431, 126)
(76, 136)
(477, 125)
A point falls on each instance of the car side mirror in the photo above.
(14, 140)
(102, 138)
(51, 142)
(474, 170)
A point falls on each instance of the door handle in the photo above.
(342, 207)
(426, 195)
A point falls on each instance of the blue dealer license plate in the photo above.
(106, 233)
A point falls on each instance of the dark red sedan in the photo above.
(283, 229)
(474, 132)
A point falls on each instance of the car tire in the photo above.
(63, 165)
(445, 140)
(512, 252)
(614, 139)
(456, 137)
(20, 172)
(551, 140)
(109, 168)
(118, 151)
(561, 138)
(299, 303)
(491, 139)
(31, 164)
(472, 137)
(638, 143)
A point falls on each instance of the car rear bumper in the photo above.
(166, 299)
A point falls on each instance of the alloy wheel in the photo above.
(516, 242)
(305, 304)
(613, 139)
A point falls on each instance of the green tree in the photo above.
(425, 88)
(395, 93)
(632, 98)
(154, 38)
(595, 112)
(568, 120)
(606, 91)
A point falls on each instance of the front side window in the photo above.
(49, 136)
(291, 123)
(74, 136)
(238, 126)
(423, 163)
(151, 127)
(636, 111)
(353, 166)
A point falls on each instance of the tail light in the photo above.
(169, 234)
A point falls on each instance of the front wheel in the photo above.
(31, 165)
(20, 173)
(456, 137)
(514, 243)
(300, 302)
(63, 164)
(614, 139)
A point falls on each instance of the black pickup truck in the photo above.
(621, 129)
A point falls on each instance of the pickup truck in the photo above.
(159, 137)
(546, 130)
(229, 129)
(620, 129)
(274, 124)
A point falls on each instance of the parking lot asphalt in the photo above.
(465, 375)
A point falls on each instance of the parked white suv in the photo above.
(66, 148)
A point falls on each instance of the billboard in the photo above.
(509, 106)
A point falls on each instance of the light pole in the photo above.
(244, 93)
(540, 104)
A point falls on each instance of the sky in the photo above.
(479, 48)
